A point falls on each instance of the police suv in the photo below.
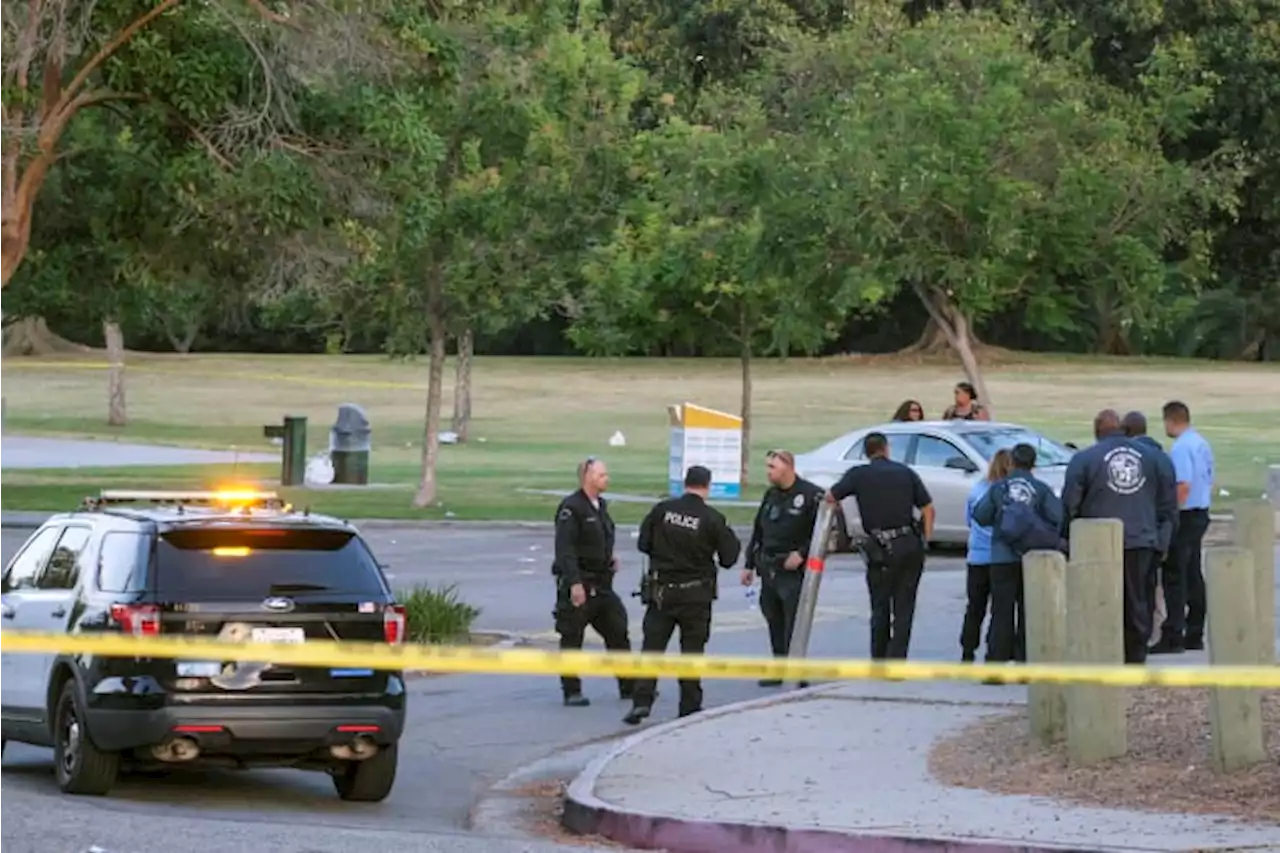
(228, 566)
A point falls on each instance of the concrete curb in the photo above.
(587, 814)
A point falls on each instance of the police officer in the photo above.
(1120, 478)
(584, 568)
(888, 494)
(778, 548)
(684, 539)
(1134, 425)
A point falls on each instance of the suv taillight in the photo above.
(394, 623)
(141, 620)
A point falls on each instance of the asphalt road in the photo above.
(465, 733)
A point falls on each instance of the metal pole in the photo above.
(812, 579)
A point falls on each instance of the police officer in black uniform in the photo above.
(779, 546)
(888, 494)
(684, 539)
(584, 568)
(1119, 477)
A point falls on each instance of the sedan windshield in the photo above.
(988, 441)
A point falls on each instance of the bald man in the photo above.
(1121, 478)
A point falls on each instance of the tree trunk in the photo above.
(181, 342)
(428, 486)
(462, 386)
(746, 411)
(1110, 338)
(19, 202)
(932, 341)
(32, 336)
(117, 414)
(955, 326)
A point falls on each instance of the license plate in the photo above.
(279, 635)
(199, 668)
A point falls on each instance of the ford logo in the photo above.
(279, 605)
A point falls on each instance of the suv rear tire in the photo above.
(80, 767)
(367, 781)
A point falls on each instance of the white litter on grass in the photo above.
(1223, 493)
(448, 437)
(319, 470)
(618, 439)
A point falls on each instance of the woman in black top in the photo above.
(966, 407)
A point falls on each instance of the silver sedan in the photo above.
(949, 456)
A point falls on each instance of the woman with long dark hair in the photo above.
(978, 574)
(910, 410)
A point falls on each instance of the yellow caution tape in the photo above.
(640, 665)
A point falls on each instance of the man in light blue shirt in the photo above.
(1183, 578)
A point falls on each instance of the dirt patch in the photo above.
(546, 808)
(1167, 769)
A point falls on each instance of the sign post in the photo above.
(701, 436)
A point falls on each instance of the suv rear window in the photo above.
(254, 563)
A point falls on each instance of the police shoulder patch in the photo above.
(798, 500)
(565, 514)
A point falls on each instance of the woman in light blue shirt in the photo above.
(978, 575)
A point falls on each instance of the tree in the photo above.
(718, 250)
(992, 177)
(62, 58)
(466, 155)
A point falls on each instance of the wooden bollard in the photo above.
(1044, 577)
(1096, 715)
(1255, 529)
(1235, 714)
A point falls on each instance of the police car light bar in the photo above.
(226, 497)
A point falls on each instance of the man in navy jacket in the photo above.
(1019, 494)
(1121, 478)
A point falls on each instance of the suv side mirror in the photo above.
(962, 463)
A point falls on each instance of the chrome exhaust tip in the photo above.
(177, 750)
(360, 748)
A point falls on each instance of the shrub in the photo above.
(436, 614)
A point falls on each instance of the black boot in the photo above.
(1168, 645)
(1194, 643)
(637, 715)
(690, 711)
(770, 682)
(576, 700)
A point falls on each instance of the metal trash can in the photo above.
(349, 446)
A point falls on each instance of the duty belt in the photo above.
(681, 584)
(888, 534)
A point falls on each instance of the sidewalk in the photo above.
(845, 768)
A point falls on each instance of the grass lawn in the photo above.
(536, 418)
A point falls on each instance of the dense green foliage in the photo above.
(662, 175)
